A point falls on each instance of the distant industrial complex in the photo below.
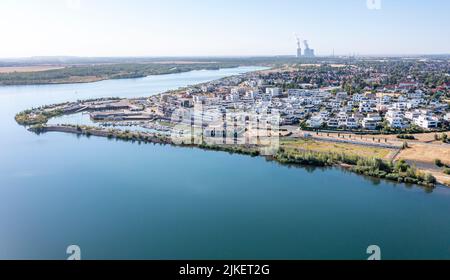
(308, 53)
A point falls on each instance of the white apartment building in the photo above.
(273, 92)
(413, 103)
(358, 97)
(365, 107)
(418, 94)
(426, 122)
(399, 106)
(447, 117)
(333, 123)
(412, 115)
(315, 122)
(393, 114)
(385, 99)
(198, 98)
(352, 123)
(397, 122)
(369, 123)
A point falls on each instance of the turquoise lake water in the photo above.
(119, 200)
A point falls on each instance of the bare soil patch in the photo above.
(28, 69)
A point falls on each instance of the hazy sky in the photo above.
(220, 27)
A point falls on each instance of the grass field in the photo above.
(420, 137)
(426, 154)
(349, 149)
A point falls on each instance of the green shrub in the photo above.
(438, 162)
(406, 137)
(430, 179)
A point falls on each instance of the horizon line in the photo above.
(225, 56)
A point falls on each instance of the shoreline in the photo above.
(95, 79)
(253, 151)
(384, 169)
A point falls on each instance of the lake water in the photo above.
(118, 200)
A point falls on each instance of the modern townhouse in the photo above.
(333, 123)
(418, 94)
(402, 98)
(400, 106)
(407, 85)
(396, 119)
(273, 92)
(439, 107)
(358, 97)
(369, 123)
(426, 122)
(413, 103)
(352, 123)
(447, 117)
(365, 107)
(315, 121)
(412, 115)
